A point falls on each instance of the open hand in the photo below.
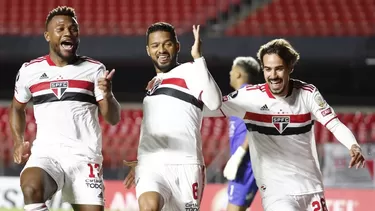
(196, 51)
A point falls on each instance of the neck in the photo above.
(59, 61)
(238, 85)
(159, 71)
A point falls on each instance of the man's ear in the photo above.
(147, 50)
(46, 36)
(178, 47)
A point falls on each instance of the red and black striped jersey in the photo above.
(172, 114)
(281, 136)
(65, 103)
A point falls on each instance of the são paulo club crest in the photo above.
(280, 123)
(59, 88)
(154, 85)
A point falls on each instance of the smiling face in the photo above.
(276, 74)
(63, 36)
(162, 48)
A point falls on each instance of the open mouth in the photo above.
(67, 45)
(163, 58)
(275, 81)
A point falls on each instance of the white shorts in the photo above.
(79, 178)
(181, 186)
(307, 202)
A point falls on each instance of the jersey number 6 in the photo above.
(195, 190)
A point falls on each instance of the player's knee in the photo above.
(149, 204)
(32, 193)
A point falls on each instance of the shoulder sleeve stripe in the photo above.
(307, 89)
(88, 59)
(37, 60)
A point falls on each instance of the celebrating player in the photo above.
(66, 90)
(170, 174)
(279, 117)
(242, 186)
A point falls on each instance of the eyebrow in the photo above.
(274, 67)
(160, 42)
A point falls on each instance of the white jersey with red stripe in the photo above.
(280, 130)
(65, 104)
(172, 114)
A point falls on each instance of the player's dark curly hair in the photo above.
(161, 26)
(60, 10)
(282, 48)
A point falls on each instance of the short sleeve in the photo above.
(21, 91)
(97, 92)
(319, 108)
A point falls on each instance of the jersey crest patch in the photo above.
(320, 101)
(230, 96)
(233, 94)
(280, 123)
(59, 88)
(154, 86)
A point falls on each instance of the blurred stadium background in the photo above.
(336, 39)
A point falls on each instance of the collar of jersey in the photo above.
(243, 85)
(270, 95)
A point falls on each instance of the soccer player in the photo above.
(170, 174)
(242, 186)
(279, 116)
(67, 91)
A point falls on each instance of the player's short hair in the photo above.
(60, 10)
(250, 66)
(282, 48)
(162, 26)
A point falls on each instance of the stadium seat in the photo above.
(309, 18)
(111, 17)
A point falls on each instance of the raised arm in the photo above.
(210, 93)
(325, 114)
(200, 79)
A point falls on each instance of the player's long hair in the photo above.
(282, 48)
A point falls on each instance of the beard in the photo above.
(69, 57)
(165, 67)
(277, 91)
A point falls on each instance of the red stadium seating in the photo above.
(309, 18)
(121, 141)
(110, 17)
